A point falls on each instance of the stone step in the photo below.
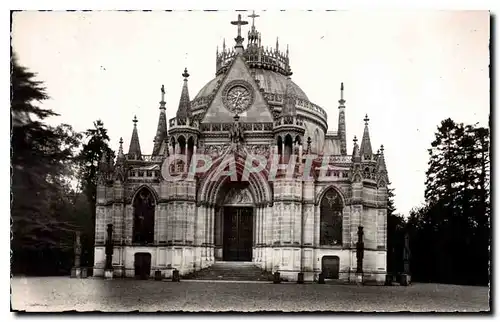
(243, 271)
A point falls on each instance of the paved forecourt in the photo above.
(43, 294)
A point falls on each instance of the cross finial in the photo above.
(135, 120)
(253, 16)
(342, 100)
(382, 149)
(185, 74)
(239, 23)
(366, 119)
(355, 139)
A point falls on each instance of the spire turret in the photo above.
(120, 157)
(366, 146)
(381, 160)
(161, 131)
(341, 126)
(184, 110)
(253, 34)
(355, 149)
(134, 150)
(289, 108)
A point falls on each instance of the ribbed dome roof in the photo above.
(271, 81)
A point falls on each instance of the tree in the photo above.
(41, 167)
(395, 236)
(452, 229)
(88, 160)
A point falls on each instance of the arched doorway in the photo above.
(236, 212)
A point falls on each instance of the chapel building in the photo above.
(281, 223)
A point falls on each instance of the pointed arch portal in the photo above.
(237, 214)
(331, 206)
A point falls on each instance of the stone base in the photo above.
(108, 274)
(405, 279)
(389, 279)
(76, 272)
(359, 279)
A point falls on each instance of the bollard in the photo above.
(175, 276)
(388, 280)
(405, 280)
(321, 278)
(300, 278)
(158, 276)
(84, 272)
(276, 278)
(108, 274)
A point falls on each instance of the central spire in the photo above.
(253, 16)
(253, 35)
(239, 39)
(255, 55)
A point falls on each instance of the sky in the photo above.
(408, 70)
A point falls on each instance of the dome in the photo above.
(271, 81)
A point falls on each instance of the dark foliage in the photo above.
(41, 168)
(450, 235)
(88, 163)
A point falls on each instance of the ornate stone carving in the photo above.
(238, 196)
(259, 149)
(237, 96)
(216, 150)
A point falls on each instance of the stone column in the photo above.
(218, 233)
(211, 235)
(199, 235)
(317, 263)
(269, 237)
(261, 234)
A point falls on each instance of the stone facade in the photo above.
(289, 214)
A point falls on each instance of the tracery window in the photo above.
(331, 218)
(144, 211)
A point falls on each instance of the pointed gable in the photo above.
(184, 110)
(135, 147)
(161, 130)
(366, 146)
(258, 110)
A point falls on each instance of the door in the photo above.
(142, 265)
(238, 229)
(330, 267)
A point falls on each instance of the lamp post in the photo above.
(360, 248)
(108, 269)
